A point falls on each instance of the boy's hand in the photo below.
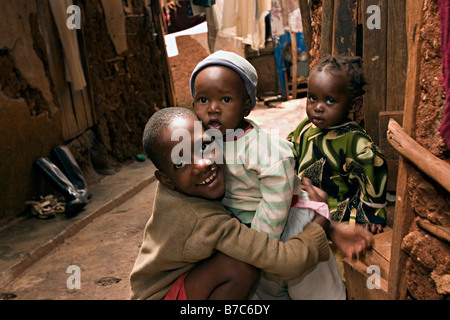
(352, 241)
(314, 193)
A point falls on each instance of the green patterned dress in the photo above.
(344, 162)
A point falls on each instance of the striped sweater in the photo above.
(260, 178)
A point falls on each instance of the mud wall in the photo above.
(428, 268)
(126, 89)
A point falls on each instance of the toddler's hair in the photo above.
(155, 126)
(348, 66)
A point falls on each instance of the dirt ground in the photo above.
(104, 251)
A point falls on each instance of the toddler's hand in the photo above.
(315, 193)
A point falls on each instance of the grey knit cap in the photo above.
(235, 62)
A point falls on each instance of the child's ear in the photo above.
(164, 179)
(247, 107)
(356, 104)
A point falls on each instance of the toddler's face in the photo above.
(197, 177)
(329, 100)
(221, 100)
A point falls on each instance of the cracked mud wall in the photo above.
(127, 88)
(29, 119)
(428, 268)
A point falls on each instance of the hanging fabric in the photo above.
(72, 59)
(285, 16)
(246, 20)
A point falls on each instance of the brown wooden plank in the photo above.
(79, 110)
(56, 68)
(306, 21)
(383, 243)
(424, 160)
(356, 280)
(374, 59)
(90, 116)
(403, 216)
(326, 44)
(397, 55)
(391, 185)
(87, 91)
(155, 8)
(344, 27)
(440, 232)
(386, 148)
(294, 65)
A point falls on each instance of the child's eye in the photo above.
(312, 98)
(202, 100)
(179, 165)
(330, 101)
(208, 150)
(227, 99)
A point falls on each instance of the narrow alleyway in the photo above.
(103, 252)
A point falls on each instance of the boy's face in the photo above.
(329, 100)
(203, 179)
(221, 100)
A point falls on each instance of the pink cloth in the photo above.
(319, 207)
(444, 12)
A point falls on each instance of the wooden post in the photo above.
(397, 55)
(374, 60)
(425, 161)
(155, 8)
(403, 212)
(305, 11)
(344, 27)
(294, 65)
(326, 44)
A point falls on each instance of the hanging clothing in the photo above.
(246, 19)
(285, 16)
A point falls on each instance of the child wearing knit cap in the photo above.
(262, 188)
(192, 248)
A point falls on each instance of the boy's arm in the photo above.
(288, 260)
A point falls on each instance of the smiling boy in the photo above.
(192, 248)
